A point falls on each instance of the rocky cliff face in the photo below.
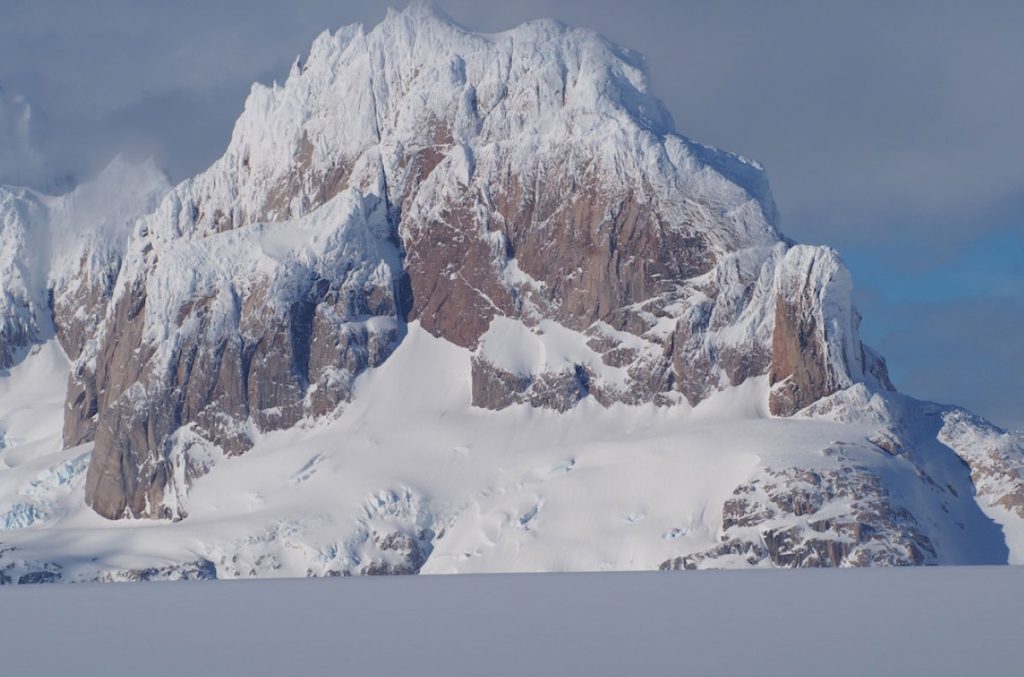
(527, 176)
(232, 333)
(519, 195)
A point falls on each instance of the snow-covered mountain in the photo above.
(459, 302)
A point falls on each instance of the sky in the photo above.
(891, 131)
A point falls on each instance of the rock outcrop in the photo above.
(815, 347)
(995, 458)
(271, 325)
(796, 517)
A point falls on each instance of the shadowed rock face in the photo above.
(269, 370)
(798, 364)
(258, 328)
(77, 313)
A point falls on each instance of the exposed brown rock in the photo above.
(302, 183)
(79, 305)
(494, 388)
(455, 287)
(199, 570)
(259, 376)
(774, 517)
(798, 370)
(406, 553)
(751, 552)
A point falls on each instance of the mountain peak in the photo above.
(418, 72)
(420, 238)
(419, 10)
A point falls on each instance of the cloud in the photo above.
(118, 76)
(951, 332)
(958, 352)
(19, 160)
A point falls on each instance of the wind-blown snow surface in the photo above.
(935, 621)
(466, 490)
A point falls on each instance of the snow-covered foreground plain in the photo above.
(935, 621)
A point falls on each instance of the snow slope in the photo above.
(411, 478)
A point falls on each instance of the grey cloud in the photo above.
(19, 159)
(962, 352)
